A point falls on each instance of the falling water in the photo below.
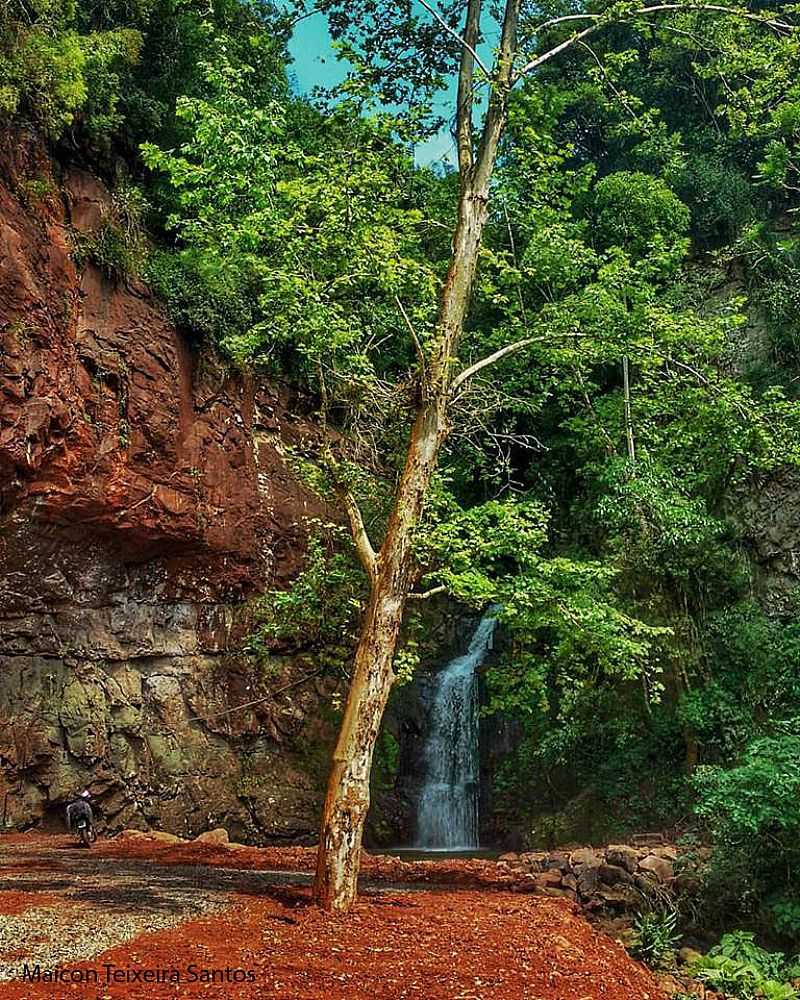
(447, 816)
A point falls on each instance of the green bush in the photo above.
(753, 812)
(53, 72)
(639, 212)
(785, 913)
(742, 970)
(197, 300)
(719, 194)
(119, 245)
(319, 612)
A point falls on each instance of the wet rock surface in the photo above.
(145, 494)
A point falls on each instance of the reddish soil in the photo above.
(17, 902)
(437, 944)
(472, 873)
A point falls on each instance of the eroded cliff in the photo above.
(145, 495)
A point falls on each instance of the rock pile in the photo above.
(615, 878)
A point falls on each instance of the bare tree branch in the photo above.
(655, 8)
(441, 589)
(358, 530)
(467, 45)
(552, 53)
(415, 338)
(366, 553)
(259, 701)
(490, 359)
(465, 90)
(503, 80)
(467, 373)
(620, 97)
(601, 20)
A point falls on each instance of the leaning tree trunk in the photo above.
(347, 799)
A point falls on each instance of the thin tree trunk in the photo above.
(626, 390)
(347, 799)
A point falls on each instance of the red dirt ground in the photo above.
(428, 945)
(473, 873)
(18, 902)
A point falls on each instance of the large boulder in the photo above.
(623, 856)
(614, 875)
(585, 856)
(588, 879)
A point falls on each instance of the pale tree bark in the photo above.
(347, 799)
(626, 396)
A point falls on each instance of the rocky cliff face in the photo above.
(144, 496)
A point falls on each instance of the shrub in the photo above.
(742, 970)
(753, 812)
(119, 244)
(319, 612)
(655, 938)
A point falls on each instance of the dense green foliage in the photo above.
(740, 969)
(643, 222)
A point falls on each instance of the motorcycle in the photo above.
(86, 832)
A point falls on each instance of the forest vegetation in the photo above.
(638, 244)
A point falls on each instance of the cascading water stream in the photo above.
(447, 814)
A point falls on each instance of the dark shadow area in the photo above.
(145, 886)
(122, 886)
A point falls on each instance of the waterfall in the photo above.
(447, 814)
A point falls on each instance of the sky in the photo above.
(315, 64)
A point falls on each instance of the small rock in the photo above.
(658, 867)
(688, 956)
(622, 856)
(549, 879)
(216, 837)
(558, 861)
(585, 856)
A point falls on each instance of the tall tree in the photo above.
(390, 568)
(319, 214)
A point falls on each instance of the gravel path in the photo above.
(90, 904)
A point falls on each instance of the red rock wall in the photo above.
(144, 496)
